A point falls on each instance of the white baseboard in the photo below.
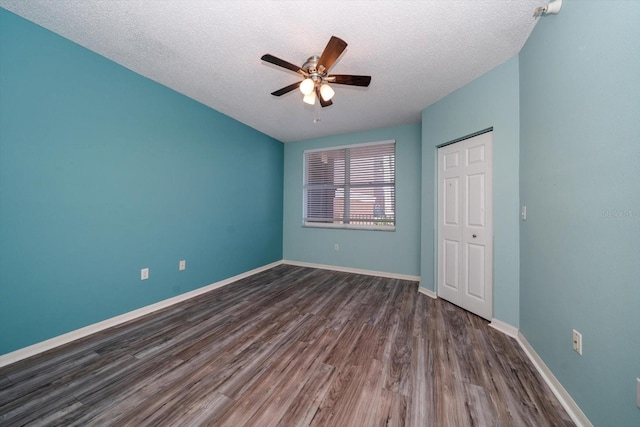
(428, 292)
(353, 270)
(32, 350)
(572, 408)
(567, 402)
(504, 327)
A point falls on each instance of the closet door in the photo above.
(465, 228)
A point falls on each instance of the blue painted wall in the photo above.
(391, 252)
(491, 100)
(104, 172)
(580, 180)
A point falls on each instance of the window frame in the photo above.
(348, 226)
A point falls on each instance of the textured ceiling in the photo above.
(417, 52)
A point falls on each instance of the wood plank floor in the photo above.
(291, 346)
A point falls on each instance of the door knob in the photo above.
(474, 236)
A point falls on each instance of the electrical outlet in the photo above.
(523, 213)
(577, 342)
(638, 392)
(144, 274)
(336, 247)
(182, 265)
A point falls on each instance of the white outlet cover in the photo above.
(182, 265)
(144, 274)
(638, 392)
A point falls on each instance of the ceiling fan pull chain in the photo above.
(316, 116)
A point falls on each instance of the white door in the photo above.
(465, 224)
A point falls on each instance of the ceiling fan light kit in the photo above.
(326, 92)
(316, 74)
(309, 98)
(307, 85)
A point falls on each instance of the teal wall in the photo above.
(489, 101)
(580, 180)
(104, 172)
(388, 251)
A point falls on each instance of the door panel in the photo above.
(451, 264)
(451, 160)
(451, 202)
(475, 200)
(475, 154)
(475, 260)
(465, 228)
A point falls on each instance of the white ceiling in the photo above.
(417, 52)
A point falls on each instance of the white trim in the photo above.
(504, 327)
(572, 408)
(353, 270)
(341, 147)
(32, 350)
(348, 226)
(567, 402)
(427, 292)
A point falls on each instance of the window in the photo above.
(351, 187)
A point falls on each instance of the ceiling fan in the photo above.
(316, 74)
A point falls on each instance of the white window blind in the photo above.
(351, 187)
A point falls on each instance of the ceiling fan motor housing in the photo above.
(311, 66)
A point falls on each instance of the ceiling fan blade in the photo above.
(332, 51)
(282, 63)
(286, 89)
(348, 79)
(323, 103)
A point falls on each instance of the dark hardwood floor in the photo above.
(291, 346)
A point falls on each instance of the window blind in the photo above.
(351, 187)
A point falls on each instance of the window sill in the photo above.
(350, 226)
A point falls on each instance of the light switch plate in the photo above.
(577, 342)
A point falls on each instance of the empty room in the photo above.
(331, 213)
